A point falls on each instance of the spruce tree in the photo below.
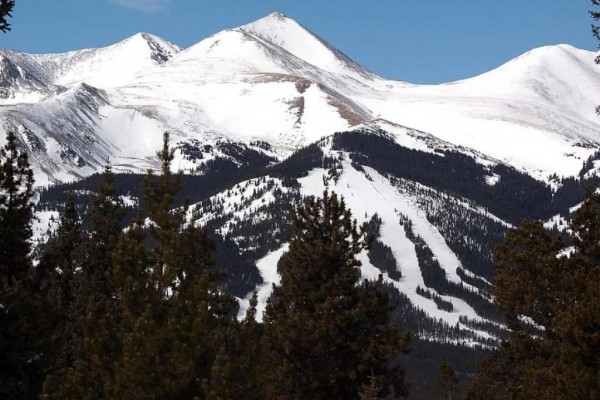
(497, 377)
(6, 8)
(16, 191)
(98, 319)
(595, 13)
(106, 213)
(19, 306)
(577, 323)
(57, 277)
(446, 382)
(236, 371)
(156, 336)
(559, 356)
(173, 308)
(326, 332)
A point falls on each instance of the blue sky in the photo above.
(422, 41)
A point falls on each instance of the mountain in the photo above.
(274, 80)
(266, 113)
(292, 37)
(541, 100)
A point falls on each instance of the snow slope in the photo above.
(535, 112)
(274, 80)
(108, 66)
(366, 192)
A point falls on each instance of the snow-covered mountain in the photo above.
(266, 113)
(275, 81)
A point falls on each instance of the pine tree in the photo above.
(19, 306)
(497, 377)
(155, 337)
(172, 305)
(528, 274)
(106, 213)
(6, 8)
(98, 319)
(16, 191)
(236, 371)
(446, 382)
(58, 282)
(326, 332)
(595, 28)
(596, 31)
(577, 323)
(559, 295)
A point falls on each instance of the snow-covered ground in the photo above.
(366, 193)
(276, 81)
(366, 198)
(268, 271)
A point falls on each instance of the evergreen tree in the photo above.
(95, 294)
(106, 212)
(16, 191)
(446, 382)
(57, 281)
(326, 332)
(497, 378)
(556, 354)
(236, 372)
(6, 8)
(155, 337)
(577, 323)
(19, 306)
(596, 17)
(528, 273)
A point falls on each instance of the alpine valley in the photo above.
(266, 113)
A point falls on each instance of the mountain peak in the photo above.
(272, 24)
(286, 33)
(161, 50)
(277, 15)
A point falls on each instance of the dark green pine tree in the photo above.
(16, 191)
(106, 213)
(95, 294)
(595, 13)
(236, 371)
(497, 377)
(577, 323)
(172, 305)
(161, 327)
(6, 8)
(19, 310)
(561, 296)
(328, 334)
(446, 382)
(57, 276)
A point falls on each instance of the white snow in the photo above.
(286, 33)
(43, 223)
(109, 66)
(365, 197)
(268, 271)
(276, 81)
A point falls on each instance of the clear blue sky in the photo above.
(422, 41)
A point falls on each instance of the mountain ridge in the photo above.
(274, 80)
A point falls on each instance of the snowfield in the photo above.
(274, 80)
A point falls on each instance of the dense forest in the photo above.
(134, 289)
(137, 301)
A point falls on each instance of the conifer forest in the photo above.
(259, 217)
